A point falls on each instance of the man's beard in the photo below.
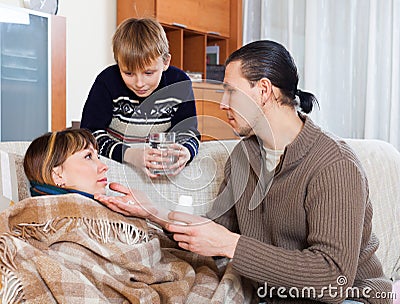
(245, 131)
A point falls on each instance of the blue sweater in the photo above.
(118, 117)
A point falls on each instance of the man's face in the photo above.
(144, 82)
(241, 101)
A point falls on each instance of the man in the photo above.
(293, 212)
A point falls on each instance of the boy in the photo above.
(139, 95)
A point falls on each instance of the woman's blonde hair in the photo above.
(51, 150)
(137, 42)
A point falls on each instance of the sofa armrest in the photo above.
(381, 162)
(13, 183)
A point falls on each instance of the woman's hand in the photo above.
(131, 203)
(201, 235)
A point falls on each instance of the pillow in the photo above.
(13, 183)
(200, 179)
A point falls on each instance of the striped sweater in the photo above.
(306, 226)
(118, 117)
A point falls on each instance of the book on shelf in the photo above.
(195, 76)
(212, 53)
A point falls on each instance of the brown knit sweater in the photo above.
(305, 228)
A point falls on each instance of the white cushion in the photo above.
(200, 179)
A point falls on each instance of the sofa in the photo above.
(201, 180)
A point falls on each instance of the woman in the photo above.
(65, 162)
(68, 162)
(61, 246)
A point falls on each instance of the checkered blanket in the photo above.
(70, 249)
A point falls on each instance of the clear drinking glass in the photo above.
(163, 141)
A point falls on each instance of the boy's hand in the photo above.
(144, 158)
(182, 155)
(148, 159)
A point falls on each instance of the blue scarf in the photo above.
(44, 189)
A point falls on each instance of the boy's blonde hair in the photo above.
(137, 42)
(51, 150)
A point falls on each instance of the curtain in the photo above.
(347, 53)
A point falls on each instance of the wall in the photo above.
(90, 26)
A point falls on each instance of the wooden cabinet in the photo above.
(191, 26)
(213, 122)
(58, 73)
(197, 15)
(33, 74)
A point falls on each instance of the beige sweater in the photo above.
(305, 228)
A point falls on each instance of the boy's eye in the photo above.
(149, 72)
(128, 73)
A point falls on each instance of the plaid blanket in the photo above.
(70, 249)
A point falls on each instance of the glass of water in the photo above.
(163, 141)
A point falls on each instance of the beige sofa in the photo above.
(203, 176)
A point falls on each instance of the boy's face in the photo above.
(144, 82)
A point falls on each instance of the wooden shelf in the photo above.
(213, 122)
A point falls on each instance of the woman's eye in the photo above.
(88, 156)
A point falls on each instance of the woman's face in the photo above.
(82, 171)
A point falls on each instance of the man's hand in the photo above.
(201, 235)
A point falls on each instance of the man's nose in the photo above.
(224, 105)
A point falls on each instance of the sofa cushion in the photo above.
(201, 179)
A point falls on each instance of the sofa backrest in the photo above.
(201, 179)
(13, 182)
(381, 162)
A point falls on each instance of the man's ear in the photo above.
(56, 175)
(167, 61)
(265, 86)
